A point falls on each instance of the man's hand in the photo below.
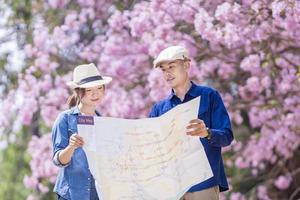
(197, 128)
(76, 141)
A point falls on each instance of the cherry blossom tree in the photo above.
(249, 50)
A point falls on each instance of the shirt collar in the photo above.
(191, 92)
(75, 111)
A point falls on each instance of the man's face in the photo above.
(175, 72)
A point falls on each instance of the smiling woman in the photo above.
(75, 180)
(87, 96)
(91, 98)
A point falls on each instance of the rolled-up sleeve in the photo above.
(221, 132)
(56, 160)
(60, 138)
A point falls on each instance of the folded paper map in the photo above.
(145, 159)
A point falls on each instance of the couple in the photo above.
(213, 128)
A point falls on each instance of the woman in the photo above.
(75, 180)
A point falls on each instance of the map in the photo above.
(145, 159)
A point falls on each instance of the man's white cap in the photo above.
(87, 75)
(170, 54)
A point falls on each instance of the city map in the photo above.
(151, 158)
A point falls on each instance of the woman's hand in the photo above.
(65, 155)
(76, 141)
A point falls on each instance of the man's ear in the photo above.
(186, 65)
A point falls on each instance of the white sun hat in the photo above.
(87, 75)
(170, 54)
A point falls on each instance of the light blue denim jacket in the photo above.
(74, 180)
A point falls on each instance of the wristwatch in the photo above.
(209, 133)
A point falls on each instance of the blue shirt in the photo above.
(214, 114)
(74, 180)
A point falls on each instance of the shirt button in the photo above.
(89, 178)
(88, 189)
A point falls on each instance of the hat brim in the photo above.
(104, 81)
(159, 62)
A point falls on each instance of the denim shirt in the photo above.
(214, 114)
(74, 180)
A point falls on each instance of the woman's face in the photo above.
(93, 96)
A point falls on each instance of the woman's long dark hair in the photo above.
(75, 98)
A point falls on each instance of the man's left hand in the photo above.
(197, 128)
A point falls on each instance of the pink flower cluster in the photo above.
(41, 164)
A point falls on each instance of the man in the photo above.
(212, 126)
